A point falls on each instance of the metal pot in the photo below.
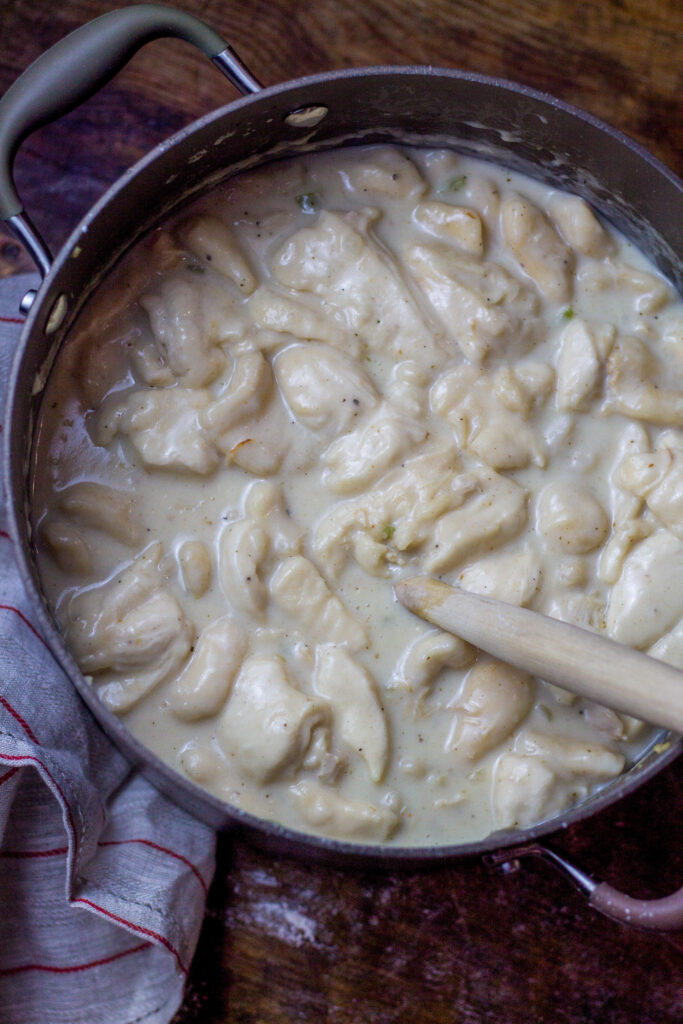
(478, 116)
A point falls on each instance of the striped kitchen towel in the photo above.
(103, 880)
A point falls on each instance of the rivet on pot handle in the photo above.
(660, 915)
(73, 70)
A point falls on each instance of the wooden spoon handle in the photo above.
(580, 661)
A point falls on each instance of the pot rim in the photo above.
(193, 797)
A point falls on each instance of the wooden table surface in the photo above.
(286, 942)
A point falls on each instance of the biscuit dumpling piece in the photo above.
(195, 566)
(545, 774)
(647, 599)
(67, 546)
(580, 366)
(101, 507)
(215, 244)
(356, 711)
(267, 722)
(494, 700)
(494, 512)
(204, 684)
(242, 548)
(324, 809)
(387, 172)
(537, 247)
(299, 589)
(570, 519)
(164, 425)
(455, 224)
(579, 226)
(184, 342)
(324, 389)
(132, 625)
(635, 386)
(422, 661)
(658, 478)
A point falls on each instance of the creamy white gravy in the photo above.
(330, 373)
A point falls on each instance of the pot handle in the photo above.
(659, 915)
(74, 69)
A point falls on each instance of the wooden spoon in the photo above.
(585, 663)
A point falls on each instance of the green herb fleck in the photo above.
(567, 313)
(389, 531)
(308, 201)
(454, 184)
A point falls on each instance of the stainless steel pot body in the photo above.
(482, 117)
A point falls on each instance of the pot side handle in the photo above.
(659, 915)
(74, 69)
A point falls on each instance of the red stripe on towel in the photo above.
(135, 927)
(17, 611)
(74, 967)
(22, 721)
(162, 849)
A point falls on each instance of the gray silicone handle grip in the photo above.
(659, 915)
(76, 67)
(662, 915)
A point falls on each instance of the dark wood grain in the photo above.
(285, 942)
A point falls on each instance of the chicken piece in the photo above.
(538, 249)
(356, 711)
(267, 723)
(469, 401)
(494, 700)
(400, 512)
(628, 526)
(203, 686)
